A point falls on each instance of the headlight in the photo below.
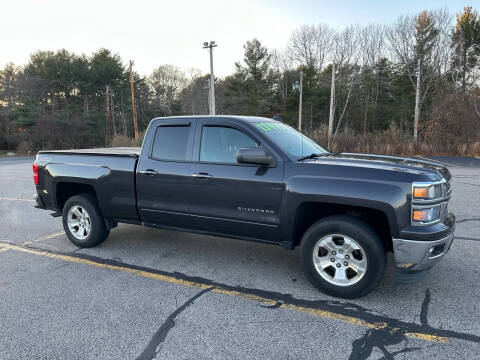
(426, 215)
(430, 192)
(429, 202)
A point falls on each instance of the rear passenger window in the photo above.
(171, 143)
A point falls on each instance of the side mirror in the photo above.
(254, 155)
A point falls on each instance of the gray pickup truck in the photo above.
(258, 179)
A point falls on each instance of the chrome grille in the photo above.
(446, 190)
(443, 211)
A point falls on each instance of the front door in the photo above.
(233, 198)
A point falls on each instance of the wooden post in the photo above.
(300, 102)
(134, 110)
(417, 102)
(332, 108)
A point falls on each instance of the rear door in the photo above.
(164, 173)
(233, 198)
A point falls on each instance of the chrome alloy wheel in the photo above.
(339, 259)
(79, 222)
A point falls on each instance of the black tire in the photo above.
(98, 230)
(363, 235)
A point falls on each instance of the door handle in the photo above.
(149, 172)
(202, 175)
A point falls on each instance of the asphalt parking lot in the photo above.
(147, 293)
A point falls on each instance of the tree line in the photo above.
(417, 77)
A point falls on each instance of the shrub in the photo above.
(122, 141)
(392, 142)
(139, 141)
(24, 148)
(475, 149)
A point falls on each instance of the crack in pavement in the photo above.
(464, 220)
(461, 182)
(466, 238)
(363, 347)
(274, 306)
(424, 311)
(466, 177)
(152, 349)
(354, 314)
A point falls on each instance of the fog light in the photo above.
(421, 215)
(426, 215)
(437, 250)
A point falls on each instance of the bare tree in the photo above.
(372, 43)
(166, 82)
(419, 44)
(310, 45)
(346, 45)
(346, 55)
(281, 65)
(192, 92)
(372, 50)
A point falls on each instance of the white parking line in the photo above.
(44, 238)
(15, 199)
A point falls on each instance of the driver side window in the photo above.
(220, 144)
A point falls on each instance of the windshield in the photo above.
(289, 139)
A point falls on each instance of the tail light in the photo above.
(35, 173)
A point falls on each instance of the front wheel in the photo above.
(83, 221)
(343, 256)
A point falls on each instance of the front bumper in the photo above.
(412, 256)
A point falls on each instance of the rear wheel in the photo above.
(343, 256)
(83, 221)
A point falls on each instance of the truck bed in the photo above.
(117, 151)
(107, 172)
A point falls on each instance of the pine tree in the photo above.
(466, 47)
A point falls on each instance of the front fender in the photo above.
(387, 197)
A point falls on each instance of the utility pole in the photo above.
(332, 107)
(211, 99)
(134, 110)
(108, 130)
(417, 102)
(300, 103)
(124, 124)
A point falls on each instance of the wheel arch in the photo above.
(308, 213)
(65, 190)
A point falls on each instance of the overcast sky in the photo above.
(159, 32)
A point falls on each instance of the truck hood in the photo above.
(385, 162)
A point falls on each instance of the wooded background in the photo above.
(59, 99)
